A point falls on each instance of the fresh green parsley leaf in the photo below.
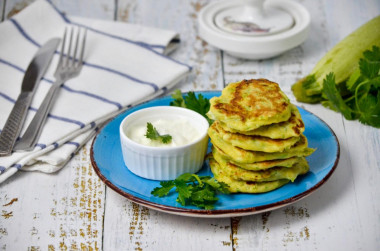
(152, 133)
(204, 198)
(360, 97)
(192, 189)
(370, 63)
(336, 101)
(184, 191)
(165, 188)
(218, 186)
(198, 104)
(203, 195)
(187, 177)
(368, 102)
(178, 99)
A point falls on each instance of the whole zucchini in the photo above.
(342, 60)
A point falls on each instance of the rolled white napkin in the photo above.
(124, 64)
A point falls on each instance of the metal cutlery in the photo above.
(69, 66)
(32, 77)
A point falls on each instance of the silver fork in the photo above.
(69, 66)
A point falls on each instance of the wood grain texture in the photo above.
(62, 211)
(74, 210)
(99, 9)
(129, 226)
(205, 60)
(13, 7)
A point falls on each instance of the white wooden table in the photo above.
(74, 210)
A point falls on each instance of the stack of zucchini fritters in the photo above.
(257, 137)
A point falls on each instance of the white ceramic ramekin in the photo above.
(164, 163)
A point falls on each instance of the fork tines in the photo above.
(70, 58)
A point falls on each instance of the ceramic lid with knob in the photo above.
(254, 29)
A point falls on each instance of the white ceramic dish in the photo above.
(164, 163)
(254, 47)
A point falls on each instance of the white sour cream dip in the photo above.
(180, 129)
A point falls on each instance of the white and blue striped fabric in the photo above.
(124, 64)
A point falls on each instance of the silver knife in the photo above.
(32, 77)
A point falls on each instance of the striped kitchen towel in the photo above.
(124, 64)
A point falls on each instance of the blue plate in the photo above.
(107, 160)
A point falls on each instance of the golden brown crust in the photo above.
(265, 90)
(283, 130)
(249, 104)
(255, 143)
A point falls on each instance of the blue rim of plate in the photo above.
(106, 159)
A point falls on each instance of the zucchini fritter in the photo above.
(249, 104)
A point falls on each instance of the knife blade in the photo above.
(32, 77)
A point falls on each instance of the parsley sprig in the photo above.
(198, 104)
(359, 97)
(192, 189)
(152, 133)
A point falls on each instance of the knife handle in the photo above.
(15, 121)
(33, 132)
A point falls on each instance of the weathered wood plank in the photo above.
(11, 7)
(129, 226)
(53, 211)
(181, 17)
(99, 9)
